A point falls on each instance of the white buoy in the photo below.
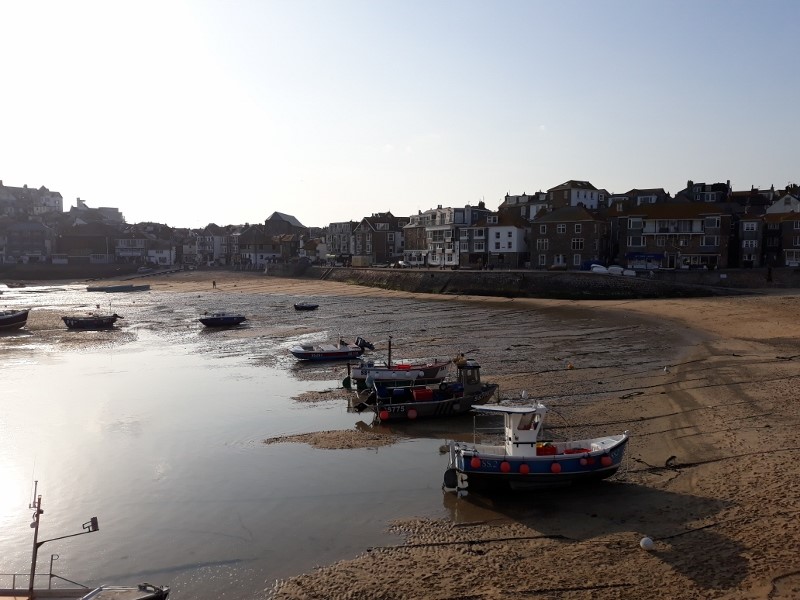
(647, 543)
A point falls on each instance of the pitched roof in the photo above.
(566, 213)
(279, 216)
(573, 184)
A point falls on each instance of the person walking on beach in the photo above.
(214, 284)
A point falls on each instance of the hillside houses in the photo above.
(569, 226)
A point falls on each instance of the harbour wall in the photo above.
(575, 285)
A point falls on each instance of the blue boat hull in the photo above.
(475, 471)
(13, 320)
(222, 321)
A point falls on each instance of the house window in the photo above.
(479, 233)
(712, 223)
(559, 259)
(576, 260)
(646, 200)
(497, 245)
(635, 223)
(561, 228)
(707, 196)
(381, 226)
(542, 244)
(480, 247)
(773, 226)
(543, 229)
(390, 237)
(792, 258)
(577, 243)
(750, 244)
(497, 235)
(711, 240)
(750, 226)
(636, 241)
(797, 224)
(577, 227)
(464, 246)
(543, 260)
(796, 240)
(510, 234)
(661, 240)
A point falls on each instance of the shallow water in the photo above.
(157, 428)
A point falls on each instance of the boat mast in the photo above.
(89, 527)
(36, 504)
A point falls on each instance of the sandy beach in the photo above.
(711, 475)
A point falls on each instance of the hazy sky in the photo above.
(191, 112)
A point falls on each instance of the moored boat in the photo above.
(91, 321)
(13, 319)
(222, 319)
(525, 461)
(395, 374)
(306, 306)
(367, 372)
(339, 351)
(118, 288)
(449, 398)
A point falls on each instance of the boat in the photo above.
(13, 319)
(448, 398)
(222, 319)
(525, 461)
(395, 374)
(338, 351)
(118, 288)
(306, 306)
(56, 588)
(91, 321)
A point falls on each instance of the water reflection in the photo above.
(157, 428)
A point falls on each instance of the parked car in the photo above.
(400, 264)
(615, 270)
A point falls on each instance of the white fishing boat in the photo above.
(525, 460)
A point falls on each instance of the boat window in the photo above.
(471, 376)
(526, 421)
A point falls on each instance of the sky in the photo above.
(225, 111)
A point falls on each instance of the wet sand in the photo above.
(711, 476)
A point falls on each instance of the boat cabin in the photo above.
(522, 426)
(469, 373)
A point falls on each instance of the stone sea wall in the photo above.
(576, 285)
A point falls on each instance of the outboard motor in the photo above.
(362, 343)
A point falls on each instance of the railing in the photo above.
(19, 581)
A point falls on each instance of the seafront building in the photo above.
(569, 226)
